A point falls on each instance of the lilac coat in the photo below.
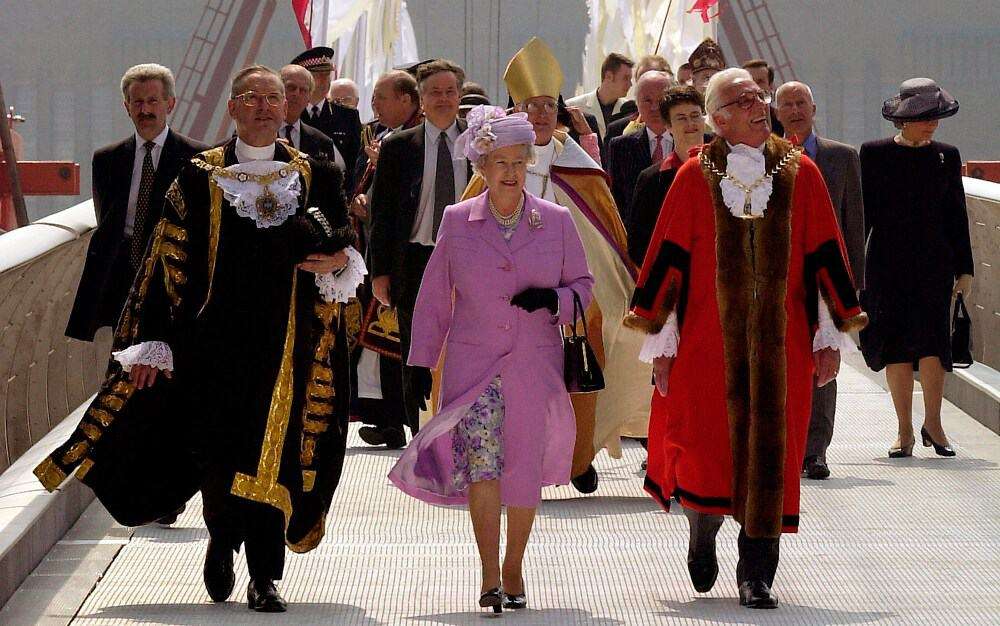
(464, 306)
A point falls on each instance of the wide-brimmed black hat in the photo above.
(471, 100)
(919, 99)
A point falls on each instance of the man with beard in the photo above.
(230, 370)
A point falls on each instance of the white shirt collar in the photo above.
(433, 132)
(652, 135)
(744, 147)
(246, 152)
(159, 140)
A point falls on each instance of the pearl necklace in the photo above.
(903, 141)
(508, 221)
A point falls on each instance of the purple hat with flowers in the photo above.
(490, 128)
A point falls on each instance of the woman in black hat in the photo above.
(919, 255)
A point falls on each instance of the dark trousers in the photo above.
(758, 557)
(824, 407)
(415, 261)
(235, 521)
(389, 412)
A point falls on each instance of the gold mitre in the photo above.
(534, 71)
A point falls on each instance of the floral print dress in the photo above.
(477, 442)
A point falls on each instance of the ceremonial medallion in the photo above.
(267, 204)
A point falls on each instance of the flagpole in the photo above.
(663, 27)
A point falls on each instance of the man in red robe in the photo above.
(742, 294)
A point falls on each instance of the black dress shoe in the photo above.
(394, 438)
(939, 449)
(371, 435)
(263, 596)
(391, 438)
(755, 594)
(704, 570)
(492, 598)
(219, 576)
(816, 468)
(170, 518)
(587, 481)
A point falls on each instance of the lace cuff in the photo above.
(663, 343)
(343, 285)
(827, 335)
(154, 353)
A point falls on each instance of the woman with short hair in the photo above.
(505, 271)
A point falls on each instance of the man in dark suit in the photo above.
(298, 82)
(339, 123)
(763, 75)
(684, 109)
(841, 169)
(130, 180)
(630, 154)
(419, 172)
(396, 101)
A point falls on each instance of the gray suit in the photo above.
(841, 169)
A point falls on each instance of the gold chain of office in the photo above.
(748, 189)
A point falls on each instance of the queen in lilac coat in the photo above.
(501, 281)
(464, 305)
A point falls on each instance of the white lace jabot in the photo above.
(244, 194)
(746, 164)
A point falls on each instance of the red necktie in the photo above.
(658, 153)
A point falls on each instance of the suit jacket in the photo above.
(342, 125)
(316, 144)
(107, 276)
(776, 126)
(399, 177)
(627, 156)
(617, 127)
(589, 103)
(651, 188)
(841, 169)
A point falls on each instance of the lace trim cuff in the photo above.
(663, 343)
(343, 285)
(827, 335)
(154, 353)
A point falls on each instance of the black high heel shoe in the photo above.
(901, 451)
(492, 598)
(515, 600)
(939, 449)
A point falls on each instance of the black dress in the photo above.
(918, 244)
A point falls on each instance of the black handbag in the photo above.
(961, 335)
(581, 371)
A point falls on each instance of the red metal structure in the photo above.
(750, 29)
(226, 27)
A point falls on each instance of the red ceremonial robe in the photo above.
(730, 435)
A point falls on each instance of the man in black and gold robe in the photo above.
(230, 371)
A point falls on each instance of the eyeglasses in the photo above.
(749, 98)
(539, 107)
(252, 98)
(343, 101)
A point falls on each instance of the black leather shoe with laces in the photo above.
(263, 596)
(755, 594)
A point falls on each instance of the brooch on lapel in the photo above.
(534, 219)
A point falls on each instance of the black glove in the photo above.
(534, 298)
